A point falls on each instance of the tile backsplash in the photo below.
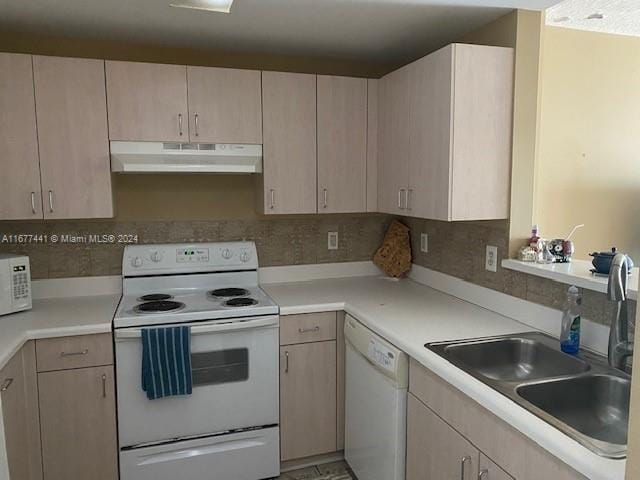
(458, 249)
(295, 240)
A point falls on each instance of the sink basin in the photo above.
(515, 359)
(582, 396)
(595, 405)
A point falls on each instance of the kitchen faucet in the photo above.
(620, 348)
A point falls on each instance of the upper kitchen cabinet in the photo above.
(71, 115)
(457, 132)
(393, 144)
(225, 105)
(147, 102)
(20, 189)
(342, 144)
(289, 118)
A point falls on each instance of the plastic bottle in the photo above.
(570, 333)
(535, 237)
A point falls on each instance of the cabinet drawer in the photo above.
(310, 327)
(74, 352)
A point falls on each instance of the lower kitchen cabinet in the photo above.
(307, 399)
(435, 451)
(78, 424)
(18, 391)
(491, 471)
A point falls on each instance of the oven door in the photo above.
(235, 383)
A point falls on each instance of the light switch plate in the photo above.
(491, 260)
(424, 242)
(332, 241)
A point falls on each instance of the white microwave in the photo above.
(15, 283)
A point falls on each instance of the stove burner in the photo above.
(154, 297)
(159, 306)
(229, 292)
(241, 302)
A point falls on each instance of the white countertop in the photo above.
(409, 315)
(56, 317)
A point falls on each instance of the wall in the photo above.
(589, 143)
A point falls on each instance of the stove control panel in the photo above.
(189, 258)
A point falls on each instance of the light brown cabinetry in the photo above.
(224, 105)
(72, 137)
(311, 391)
(288, 183)
(20, 196)
(77, 408)
(342, 144)
(511, 453)
(436, 451)
(393, 144)
(445, 135)
(147, 101)
(490, 471)
(19, 392)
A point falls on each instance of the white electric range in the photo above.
(228, 427)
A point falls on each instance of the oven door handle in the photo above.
(199, 329)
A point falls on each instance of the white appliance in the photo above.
(228, 427)
(174, 157)
(15, 283)
(377, 379)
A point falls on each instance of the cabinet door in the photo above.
(435, 451)
(225, 105)
(12, 392)
(342, 144)
(491, 471)
(430, 91)
(72, 136)
(289, 119)
(78, 424)
(393, 151)
(20, 181)
(482, 126)
(147, 102)
(307, 399)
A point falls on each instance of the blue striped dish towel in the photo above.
(166, 362)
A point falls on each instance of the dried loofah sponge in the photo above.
(394, 255)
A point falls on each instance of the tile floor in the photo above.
(328, 471)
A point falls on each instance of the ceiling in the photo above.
(364, 30)
(620, 16)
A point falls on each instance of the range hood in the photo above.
(173, 157)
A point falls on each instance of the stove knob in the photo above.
(227, 254)
(245, 257)
(136, 262)
(156, 257)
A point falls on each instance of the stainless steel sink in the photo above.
(580, 395)
(515, 359)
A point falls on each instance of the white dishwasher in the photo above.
(377, 377)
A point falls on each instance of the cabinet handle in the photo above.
(463, 464)
(33, 202)
(407, 199)
(6, 384)
(51, 201)
(273, 199)
(286, 362)
(309, 330)
(74, 354)
(324, 191)
(180, 124)
(195, 119)
(104, 385)
(400, 198)
(484, 474)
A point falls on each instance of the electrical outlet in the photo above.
(491, 260)
(332, 241)
(424, 242)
